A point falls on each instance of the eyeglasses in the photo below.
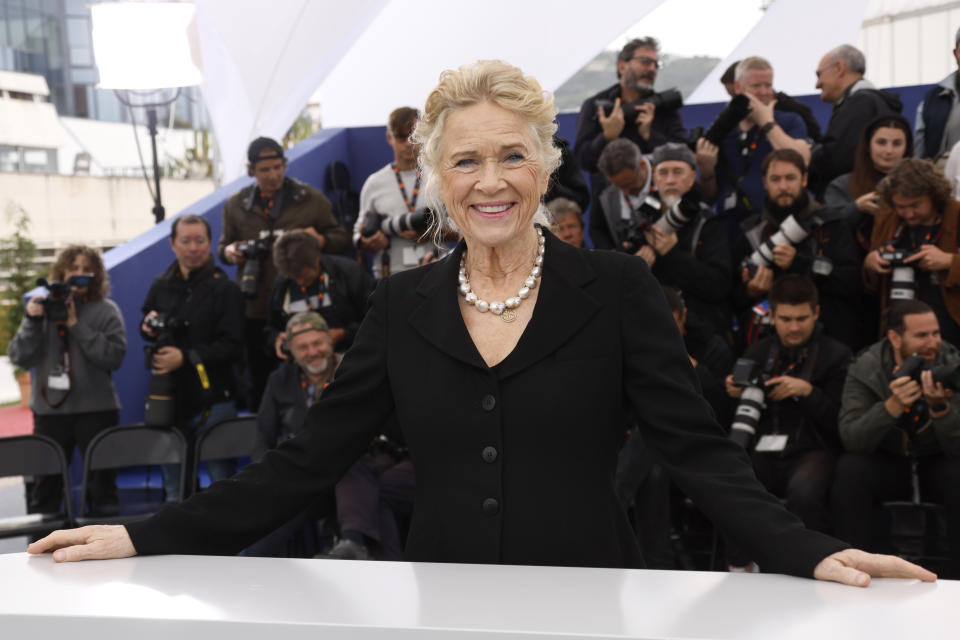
(824, 68)
(648, 62)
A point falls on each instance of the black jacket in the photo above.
(840, 291)
(568, 181)
(349, 288)
(810, 422)
(211, 330)
(514, 463)
(834, 156)
(667, 127)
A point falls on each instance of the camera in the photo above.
(664, 101)
(681, 212)
(748, 374)
(160, 408)
(419, 221)
(903, 279)
(946, 374)
(254, 250)
(791, 231)
(55, 302)
(632, 231)
(735, 111)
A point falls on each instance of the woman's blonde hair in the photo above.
(490, 81)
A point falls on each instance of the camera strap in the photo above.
(205, 387)
(63, 377)
(411, 203)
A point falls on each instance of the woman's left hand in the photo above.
(855, 568)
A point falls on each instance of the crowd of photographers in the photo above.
(782, 251)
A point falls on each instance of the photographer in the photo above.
(795, 378)
(393, 191)
(914, 243)
(790, 237)
(73, 338)
(200, 339)
(252, 219)
(685, 246)
(376, 488)
(731, 153)
(309, 280)
(617, 210)
(891, 422)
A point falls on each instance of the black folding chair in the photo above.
(131, 446)
(40, 456)
(230, 438)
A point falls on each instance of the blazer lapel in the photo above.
(562, 306)
(438, 318)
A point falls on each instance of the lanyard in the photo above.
(321, 290)
(311, 391)
(929, 238)
(411, 205)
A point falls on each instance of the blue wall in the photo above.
(134, 264)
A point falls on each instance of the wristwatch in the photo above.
(765, 129)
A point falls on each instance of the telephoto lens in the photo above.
(250, 278)
(680, 213)
(791, 232)
(903, 283)
(747, 416)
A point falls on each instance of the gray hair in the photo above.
(560, 208)
(618, 155)
(851, 57)
(494, 82)
(753, 63)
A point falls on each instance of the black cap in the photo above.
(260, 145)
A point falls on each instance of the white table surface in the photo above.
(214, 598)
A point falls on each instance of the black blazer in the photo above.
(515, 463)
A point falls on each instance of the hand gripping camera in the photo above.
(55, 302)
(903, 279)
(735, 111)
(748, 374)
(649, 214)
(254, 250)
(663, 102)
(791, 231)
(160, 407)
(419, 221)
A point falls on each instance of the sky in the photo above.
(697, 27)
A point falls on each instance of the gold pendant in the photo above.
(508, 315)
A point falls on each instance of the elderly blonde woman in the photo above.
(470, 353)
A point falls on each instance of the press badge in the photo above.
(772, 443)
(730, 202)
(58, 381)
(822, 266)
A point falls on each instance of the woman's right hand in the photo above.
(96, 542)
(869, 202)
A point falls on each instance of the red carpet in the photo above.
(15, 421)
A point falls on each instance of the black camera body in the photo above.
(663, 102)
(903, 276)
(160, 406)
(55, 302)
(946, 374)
(418, 221)
(735, 111)
(792, 231)
(632, 231)
(254, 250)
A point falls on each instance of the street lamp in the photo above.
(146, 53)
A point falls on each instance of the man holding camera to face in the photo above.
(789, 387)
(193, 320)
(73, 338)
(732, 151)
(252, 219)
(390, 222)
(790, 237)
(898, 423)
(682, 240)
(914, 252)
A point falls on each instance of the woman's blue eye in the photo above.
(515, 157)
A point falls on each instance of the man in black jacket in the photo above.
(201, 339)
(856, 103)
(789, 402)
(604, 116)
(309, 280)
(790, 237)
(686, 247)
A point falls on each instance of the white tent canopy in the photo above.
(262, 62)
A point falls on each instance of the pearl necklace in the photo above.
(504, 309)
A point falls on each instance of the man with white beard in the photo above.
(686, 247)
(377, 488)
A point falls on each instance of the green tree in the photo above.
(17, 255)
